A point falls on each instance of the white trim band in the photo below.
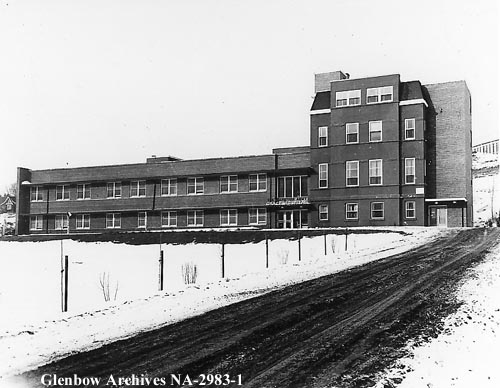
(445, 199)
(413, 102)
(320, 111)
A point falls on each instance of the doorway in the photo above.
(438, 216)
(291, 219)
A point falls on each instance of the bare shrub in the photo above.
(189, 272)
(332, 244)
(104, 285)
(283, 256)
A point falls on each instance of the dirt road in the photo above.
(335, 331)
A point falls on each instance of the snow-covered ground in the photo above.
(466, 354)
(33, 331)
(486, 187)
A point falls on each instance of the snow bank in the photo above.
(33, 331)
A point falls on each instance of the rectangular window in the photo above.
(169, 219)
(323, 212)
(138, 188)
(410, 209)
(382, 94)
(36, 193)
(228, 217)
(229, 184)
(410, 171)
(83, 191)
(323, 175)
(83, 221)
(375, 131)
(352, 173)
(36, 222)
(61, 222)
(409, 129)
(322, 136)
(352, 133)
(114, 190)
(351, 211)
(292, 186)
(168, 187)
(375, 172)
(195, 218)
(377, 210)
(258, 182)
(113, 220)
(195, 186)
(257, 216)
(348, 98)
(142, 220)
(62, 193)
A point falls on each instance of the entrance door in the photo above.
(291, 219)
(438, 216)
(285, 219)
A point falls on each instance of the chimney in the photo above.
(322, 80)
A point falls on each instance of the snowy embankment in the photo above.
(33, 331)
(466, 353)
(486, 187)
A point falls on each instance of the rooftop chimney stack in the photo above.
(322, 80)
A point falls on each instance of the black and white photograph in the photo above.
(261, 194)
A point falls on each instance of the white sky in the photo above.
(110, 82)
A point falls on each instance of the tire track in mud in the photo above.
(338, 330)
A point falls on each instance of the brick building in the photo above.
(382, 152)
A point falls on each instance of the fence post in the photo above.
(300, 250)
(222, 260)
(66, 267)
(324, 241)
(346, 232)
(160, 286)
(267, 252)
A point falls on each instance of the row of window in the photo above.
(374, 132)
(228, 217)
(375, 173)
(228, 184)
(373, 96)
(376, 211)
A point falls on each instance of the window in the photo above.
(323, 175)
(138, 188)
(375, 129)
(347, 98)
(410, 209)
(323, 136)
(351, 211)
(142, 220)
(169, 218)
(352, 133)
(409, 129)
(36, 222)
(375, 172)
(382, 94)
(83, 221)
(62, 193)
(377, 210)
(168, 187)
(195, 186)
(410, 171)
(352, 173)
(113, 220)
(292, 186)
(258, 182)
(323, 212)
(229, 184)
(114, 190)
(36, 193)
(195, 218)
(228, 217)
(83, 191)
(257, 216)
(61, 221)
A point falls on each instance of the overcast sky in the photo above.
(110, 82)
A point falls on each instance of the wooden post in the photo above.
(300, 250)
(324, 240)
(346, 232)
(222, 260)
(267, 252)
(66, 268)
(160, 285)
